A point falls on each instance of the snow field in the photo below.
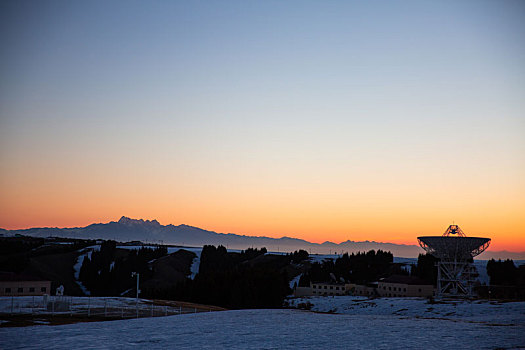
(266, 329)
(481, 311)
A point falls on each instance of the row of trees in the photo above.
(362, 268)
(17, 252)
(252, 279)
(233, 280)
(425, 268)
(356, 268)
(507, 281)
(108, 271)
(503, 273)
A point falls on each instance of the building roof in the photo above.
(401, 279)
(330, 283)
(11, 276)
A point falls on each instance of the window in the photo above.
(314, 286)
(20, 290)
(336, 288)
(31, 289)
(404, 289)
(331, 287)
(325, 287)
(419, 290)
(8, 290)
(43, 289)
(389, 288)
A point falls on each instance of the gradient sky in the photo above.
(323, 120)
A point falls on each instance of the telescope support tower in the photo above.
(455, 278)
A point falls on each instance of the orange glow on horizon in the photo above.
(327, 206)
(512, 242)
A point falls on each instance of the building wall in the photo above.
(328, 289)
(302, 292)
(24, 288)
(360, 290)
(383, 290)
(404, 290)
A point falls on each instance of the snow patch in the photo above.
(295, 280)
(86, 252)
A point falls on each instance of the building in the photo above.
(12, 284)
(393, 286)
(404, 286)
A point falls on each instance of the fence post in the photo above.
(180, 310)
(122, 312)
(105, 307)
(89, 306)
(195, 310)
(12, 303)
(53, 307)
(165, 311)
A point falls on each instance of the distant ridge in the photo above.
(151, 231)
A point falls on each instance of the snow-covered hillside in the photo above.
(267, 329)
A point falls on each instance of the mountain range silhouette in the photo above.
(151, 231)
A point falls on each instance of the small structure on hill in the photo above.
(456, 253)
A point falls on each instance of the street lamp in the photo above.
(133, 274)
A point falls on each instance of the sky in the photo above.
(322, 120)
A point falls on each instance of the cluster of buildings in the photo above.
(393, 286)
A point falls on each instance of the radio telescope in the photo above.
(456, 252)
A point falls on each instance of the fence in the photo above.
(107, 307)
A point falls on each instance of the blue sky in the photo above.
(415, 98)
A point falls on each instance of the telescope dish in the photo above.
(459, 248)
(455, 251)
